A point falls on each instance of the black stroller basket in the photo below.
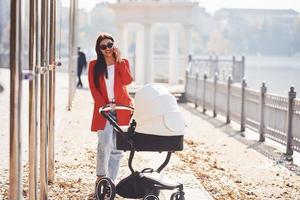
(147, 183)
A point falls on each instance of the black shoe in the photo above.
(79, 86)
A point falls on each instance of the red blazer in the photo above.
(122, 78)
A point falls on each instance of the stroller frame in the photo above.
(127, 136)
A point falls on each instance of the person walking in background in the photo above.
(81, 64)
(108, 76)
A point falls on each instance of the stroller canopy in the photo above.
(157, 113)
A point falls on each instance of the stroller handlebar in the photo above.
(107, 107)
(118, 107)
(103, 111)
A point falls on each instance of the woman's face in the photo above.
(106, 47)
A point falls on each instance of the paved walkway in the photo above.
(61, 102)
(76, 148)
(215, 154)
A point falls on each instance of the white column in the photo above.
(173, 54)
(139, 57)
(187, 48)
(148, 53)
(122, 39)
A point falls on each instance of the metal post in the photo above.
(217, 70)
(37, 44)
(70, 62)
(215, 95)
(233, 69)
(186, 81)
(183, 98)
(196, 90)
(211, 66)
(190, 58)
(43, 104)
(1, 88)
(72, 52)
(263, 91)
(229, 82)
(243, 117)
(289, 143)
(15, 167)
(204, 91)
(32, 105)
(242, 67)
(189, 67)
(51, 90)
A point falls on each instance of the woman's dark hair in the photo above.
(101, 66)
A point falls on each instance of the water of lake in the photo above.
(278, 72)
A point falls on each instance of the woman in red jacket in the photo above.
(108, 76)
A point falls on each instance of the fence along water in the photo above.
(223, 66)
(272, 116)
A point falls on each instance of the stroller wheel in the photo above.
(105, 189)
(177, 196)
(151, 197)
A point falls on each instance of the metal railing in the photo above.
(223, 66)
(212, 64)
(272, 116)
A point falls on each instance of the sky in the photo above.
(213, 5)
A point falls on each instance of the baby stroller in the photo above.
(157, 125)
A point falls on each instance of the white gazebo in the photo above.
(147, 13)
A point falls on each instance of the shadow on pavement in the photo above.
(264, 149)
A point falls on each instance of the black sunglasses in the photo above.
(108, 45)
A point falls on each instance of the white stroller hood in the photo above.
(157, 113)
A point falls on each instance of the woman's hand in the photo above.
(113, 106)
(117, 53)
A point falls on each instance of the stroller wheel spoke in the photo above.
(177, 196)
(151, 197)
(105, 189)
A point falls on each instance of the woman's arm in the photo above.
(98, 98)
(124, 71)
